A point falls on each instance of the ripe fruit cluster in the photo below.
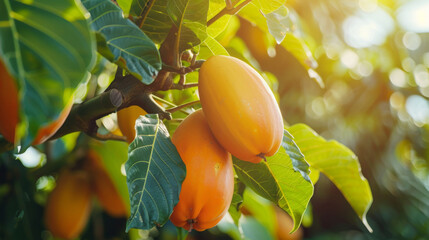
(69, 204)
(239, 116)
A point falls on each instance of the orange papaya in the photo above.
(104, 188)
(284, 224)
(69, 204)
(9, 111)
(240, 108)
(9, 104)
(209, 183)
(127, 119)
(49, 130)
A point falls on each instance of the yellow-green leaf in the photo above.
(339, 164)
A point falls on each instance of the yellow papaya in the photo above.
(127, 119)
(209, 183)
(240, 108)
(69, 204)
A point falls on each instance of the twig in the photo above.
(183, 70)
(229, 11)
(172, 110)
(109, 136)
(163, 101)
(168, 103)
(82, 116)
(229, 5)
(183, 86)
(145, 12)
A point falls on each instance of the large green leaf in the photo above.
(152, 16)
(131, 48)
(190, 18)
(48, 47)
(279, 23)
(290, 40)
(215, 6)
(267, 6)
(125, 5)
(339, 164)
(211, 47)
(261, 209)
(280, 179)
(155, 173)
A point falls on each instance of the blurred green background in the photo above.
(373, 59)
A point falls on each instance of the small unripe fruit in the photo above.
(127, 119)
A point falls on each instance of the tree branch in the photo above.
(228, 10)
(82, 116)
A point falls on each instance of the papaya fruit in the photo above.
(9, 104)
(69, 204)
(49, 130)
(284, 224)
(127, 119)
(240, 108)
(9, 111)
(209, 183)
(104, 188)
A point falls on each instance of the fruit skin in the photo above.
(48, 131)
(104, 188)
(69, 205)
(284, 224)
(9, 106)
(209, 184)
(240, 108)
(127, 119)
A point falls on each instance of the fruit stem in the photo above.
(174, 109)
(262, 155)
(191, 223)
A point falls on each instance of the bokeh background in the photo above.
(367, 87)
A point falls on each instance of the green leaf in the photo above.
(215, 6)
(339, 164)
(278, 181)
(299, 50)
(237, 200)
(48, 47)
(211, 47)
(298, 161)
(125, 5)
(190, 18)
(153, 18)
(131, 48)
(155, 173)
(261, 209)
(291, 40)
(279, 23)
(267, 6)
(254, 230)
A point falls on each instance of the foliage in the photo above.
(109, 55)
